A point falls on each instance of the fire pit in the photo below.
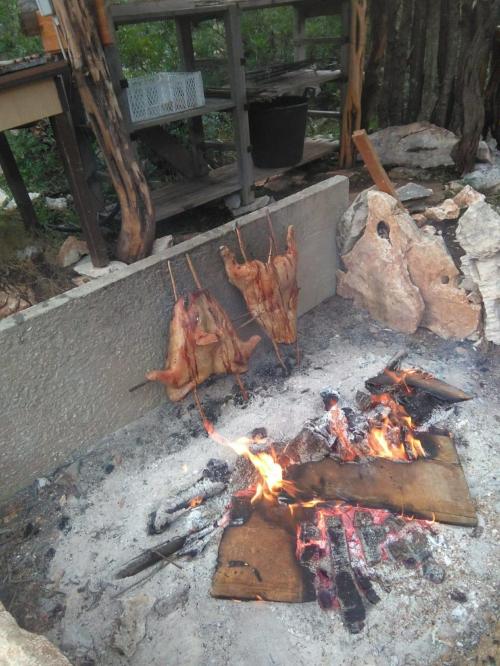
(358, 564)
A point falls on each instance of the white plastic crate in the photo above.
(163, 93)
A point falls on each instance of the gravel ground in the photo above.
(65, 537)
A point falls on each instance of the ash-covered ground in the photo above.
(64, 539)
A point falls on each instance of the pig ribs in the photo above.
(202, 343)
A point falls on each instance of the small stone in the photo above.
(56, 203)
(85, 267)
(448, 210)
(42, 482)
(4, 197)
(420, 219)
(258, 203)
(29, 252)
(162, 244)
(467, 196)
(412, 191)
(433, 571)
(130, 627)
(459, 614)
(458, 595)
(71, 251)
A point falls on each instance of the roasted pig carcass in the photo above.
(269, 289)
(202, 343)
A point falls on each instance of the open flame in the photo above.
(391, 435)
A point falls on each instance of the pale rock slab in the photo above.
(377, 276)
(131, 626)
(352, 223)
(421, 144)
(86, 267)
(449, 311)
(23, 648)
(405, 276)
(447, 210)
(478, 232)
(412, 191)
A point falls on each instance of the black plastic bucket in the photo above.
(277, 131)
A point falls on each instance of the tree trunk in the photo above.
(99, 100)
(430, 91)
(474, 76)
(351, 113)
(492, 96)
(464, 38)
(400, 66)
(386, 98)
(377, 15)
(448, 47)
(417, 50)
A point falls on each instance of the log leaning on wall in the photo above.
(92, 77)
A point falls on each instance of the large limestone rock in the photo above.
(420, 144)
(405, 276)
(377, 275)
(22, 648)
(449, 311)
(478, 232)
(353, 221)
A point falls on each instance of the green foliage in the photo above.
(13, 44)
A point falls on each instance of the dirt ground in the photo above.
(63, 540)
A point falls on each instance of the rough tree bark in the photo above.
(492, 96)
(400, 66)
(351, 113)
(377, 14)
(448, 54)
(474, 77)
(96, 90)
(386, 98)
(417, 50)
(430, 90)
(464, 38)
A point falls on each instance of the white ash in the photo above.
(414, 623)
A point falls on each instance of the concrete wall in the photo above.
(67, 363)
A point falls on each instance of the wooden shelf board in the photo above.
(303, 78)
(179, 197)
(159, 10)
(211, 105)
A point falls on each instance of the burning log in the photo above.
(173, 508)
(269, 289)
(420, 380)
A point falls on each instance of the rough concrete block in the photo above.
(67, 363)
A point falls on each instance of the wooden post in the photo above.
(351, 111)
(373, 164)
(16, 184)
(92, 77)
(236, 59)
(195, 125)
(67, 144)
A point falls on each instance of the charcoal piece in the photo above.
(259, 433)
(307, 446)
(363, 400)
(326, 598)
(365, 585)
(216, 470)
(329, 397)
(402, 552)
(419, 380)
(309, 532)
(371, 536)
(458, 595)
(419, 545)
(241, 509)
(433, 571)
(419, 405)
(351, 604)
(393, 524)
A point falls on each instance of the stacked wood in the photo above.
(94, 84)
